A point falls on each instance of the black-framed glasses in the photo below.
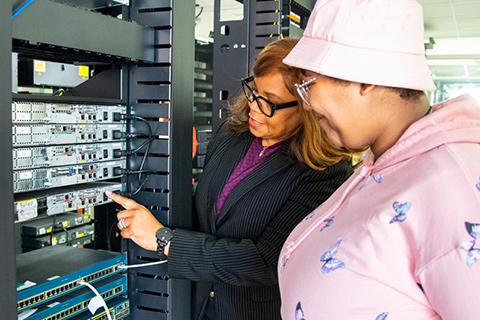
(266, 107)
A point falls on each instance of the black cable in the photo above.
(198, 15)
(148, 146)
(147, 143)
(140, 146)
(53, 227)
(109, 236)
(140, 186)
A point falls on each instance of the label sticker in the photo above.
(39, 66)
(25, 175)
(24, 153)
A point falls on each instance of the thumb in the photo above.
(124, 202)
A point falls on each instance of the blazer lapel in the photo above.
(225, 162)
(273, 164)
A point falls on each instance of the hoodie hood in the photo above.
(460, 122)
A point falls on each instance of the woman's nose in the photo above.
(254, 106)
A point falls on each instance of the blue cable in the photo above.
(16, 13)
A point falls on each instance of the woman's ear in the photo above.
(366, 88)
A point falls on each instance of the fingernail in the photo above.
(108, 192)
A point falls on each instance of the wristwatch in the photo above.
(164, 235)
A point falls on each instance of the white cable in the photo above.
(104, 305)
(142, 265)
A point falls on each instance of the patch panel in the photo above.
(74, 303)
(52, 202)
(61, 277)
(40, 112)
(45, 178)
(49, 156)
(119, 308)
(53, 134)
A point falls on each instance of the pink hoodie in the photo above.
(398, 239)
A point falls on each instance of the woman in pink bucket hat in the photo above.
(398, 239)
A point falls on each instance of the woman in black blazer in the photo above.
(265, 170)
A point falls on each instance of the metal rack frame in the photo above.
(157, 55)
(8, 303)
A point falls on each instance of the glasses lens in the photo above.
(302, 90)
(265, 106)
(248, 91)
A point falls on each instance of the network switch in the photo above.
(51, 202)
(41, 112)
(49, 156)
(69, 237)
(53, 134)
(77, 302)
(119, 308)
(56, 271)
(44, 178)
(47, 225)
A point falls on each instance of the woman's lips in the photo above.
(254, 123)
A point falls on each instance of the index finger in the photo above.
(124, 202)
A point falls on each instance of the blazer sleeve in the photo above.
(205, 258)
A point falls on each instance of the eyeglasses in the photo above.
(266, 107)
(303, 90)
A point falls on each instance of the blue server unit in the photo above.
(119, 308)
(56, 270)
(77, 302)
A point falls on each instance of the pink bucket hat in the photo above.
(368, 41)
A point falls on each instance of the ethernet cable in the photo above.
(142, 265)
(99, 299)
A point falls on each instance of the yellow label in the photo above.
(54, 239)
(25, 201)
(83, 71)
(65, 223)
(39, 66)
(49, 230)
(86, 217)
(81, 235)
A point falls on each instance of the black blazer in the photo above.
(236, 256)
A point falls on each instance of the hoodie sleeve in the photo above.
(451, 276)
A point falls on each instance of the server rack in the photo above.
(237, 43)
(8, 303)
(153, 43)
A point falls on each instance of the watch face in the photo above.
(164, 234)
